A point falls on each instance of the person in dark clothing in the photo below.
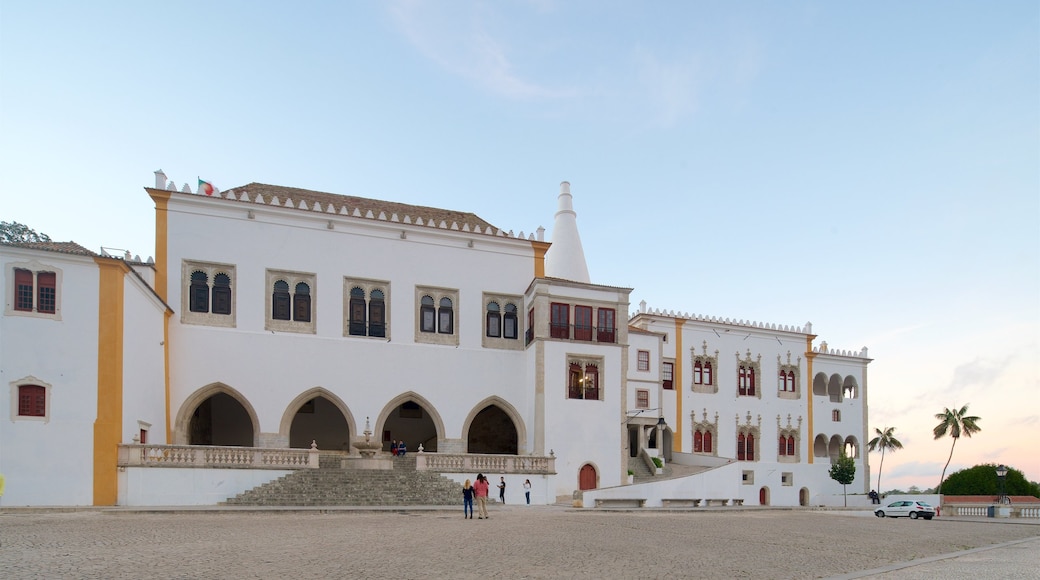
(502, 490)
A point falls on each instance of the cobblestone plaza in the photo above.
(516, 542)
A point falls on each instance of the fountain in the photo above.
(368, 448)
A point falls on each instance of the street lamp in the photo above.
(1002, 475)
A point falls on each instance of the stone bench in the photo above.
(716, 502)
(620, 502)
(738, 502)
(681, 502)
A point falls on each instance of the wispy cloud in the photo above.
(670, 87)
(461, 43)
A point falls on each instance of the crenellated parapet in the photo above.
(352, 207)
(823, 348)
(806, 329)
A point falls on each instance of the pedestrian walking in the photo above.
(467, 500)
(527, 490)
(480, 488)
(502, 491)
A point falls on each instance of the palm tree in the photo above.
(884, 440)
(957, 423)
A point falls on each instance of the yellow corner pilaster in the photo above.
(109, 420)
(540, 248)
(162, 200)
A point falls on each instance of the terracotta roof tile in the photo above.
(361, 203)
(60, 247)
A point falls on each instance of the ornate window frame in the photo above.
(208, 318)
(504, 301)
(754, 366)
(437, 294)
(712, 386)
(704, 426)
(292, 279)
(36, 268)
(584, 364)
(789, 378)
(366, 286)
(753, 430)
(31, 381)
(789, 432)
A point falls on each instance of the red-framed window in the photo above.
(560, 320)
(46, 292)
(582, 383)
(666, 375)
(23, 290)
(786, 380)
(605, 328)
(745, 447)
(702, 373)
(782, 447)
(643, 360)
(642, 399)
(698, 441)
(707, 441)
(582, 323)
(746, 380)
(32, 401)
(836, 415)
(790, 445)
(143, 436)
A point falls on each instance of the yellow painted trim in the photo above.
(809, 356)
(680, 389)
(109, 420)
(540, 248)
(162, 200)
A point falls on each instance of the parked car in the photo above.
(911, 509)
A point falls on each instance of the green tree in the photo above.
(844, 472)
(982, 480)
(885, 440)
(14, 232)
(956, 423)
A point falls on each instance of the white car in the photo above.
(911, 509)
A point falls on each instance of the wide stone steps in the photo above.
(332, 486)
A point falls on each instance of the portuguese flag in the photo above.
(205, 187)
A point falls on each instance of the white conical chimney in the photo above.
(566, 258)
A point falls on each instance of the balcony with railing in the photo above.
(583, 333)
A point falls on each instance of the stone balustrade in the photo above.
(1031, 511)
(477, 463)
(215, 456)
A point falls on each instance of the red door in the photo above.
(763, 496)
(587, 477)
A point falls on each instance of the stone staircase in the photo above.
(642, 472)
(329, 485)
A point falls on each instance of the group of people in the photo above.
(479, 491)
(397, 448)
(874, 497)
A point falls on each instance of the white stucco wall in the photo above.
(50, 462)
(159, 486)
(144, 377)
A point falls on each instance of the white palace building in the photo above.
(276, 324)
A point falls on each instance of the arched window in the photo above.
(783, 446)
(591, 382)
(698, 441)
(427, 315)
(707, 441)
(445, 317)
(750, 447)
(574, 381)
(746, 380)
(511, 327)
(221, 294)
(198, 300)
(790, 381)
(280, 301)
(302, 303)
(377, 314)
(741, 447)
(790, 445)
(358, 324)
(698, 373)
(707, 374)
(493, 320)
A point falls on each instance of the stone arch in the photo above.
(819, 384)
(508, 410)
(763, 495)
(294, 406)
(182, 425)
(588, 474)
(429, 443)
(803, 496)
(834, 447)
(834, 386)
(820, 446)
(851, 447)
(850, 388)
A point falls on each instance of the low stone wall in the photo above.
(212, 456)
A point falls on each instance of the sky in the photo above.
(872, 168)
